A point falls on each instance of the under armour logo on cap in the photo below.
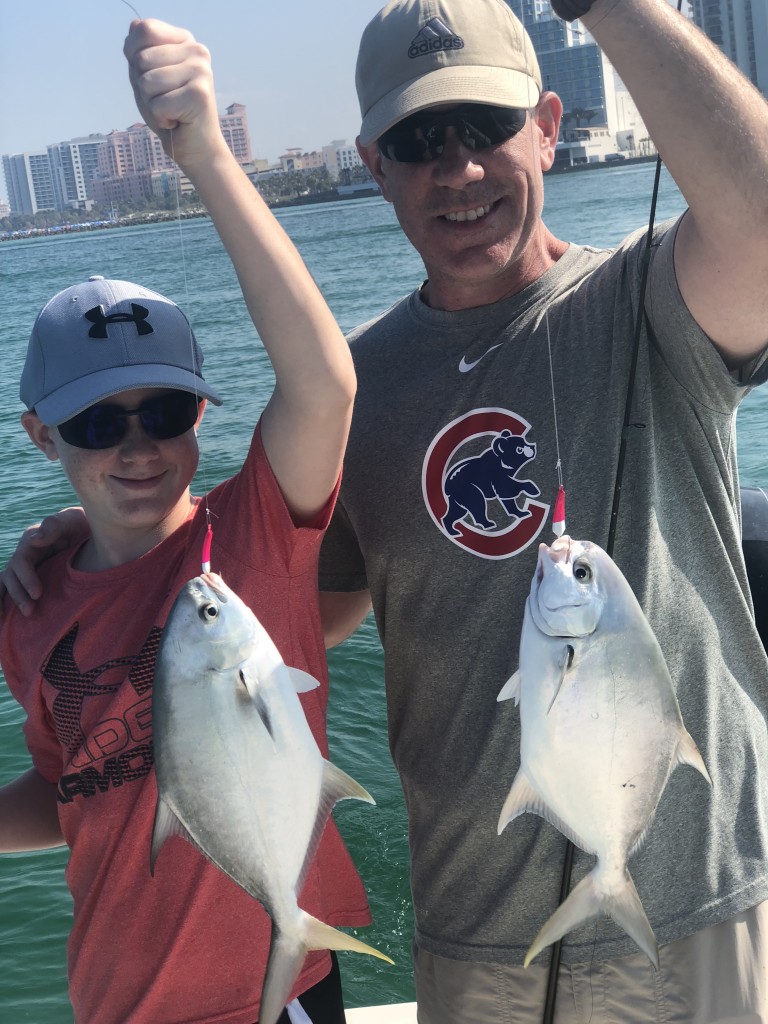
(138, 316)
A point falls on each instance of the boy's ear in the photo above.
(40, 435)
(200, 410)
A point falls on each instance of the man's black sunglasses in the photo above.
(421, 136)
(105, 426)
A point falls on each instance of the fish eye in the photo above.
(209, 611)
(582, 572)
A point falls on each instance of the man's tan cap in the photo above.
(418, 53)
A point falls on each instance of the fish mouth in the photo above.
(215, 583)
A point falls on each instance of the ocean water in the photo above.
(362, 262)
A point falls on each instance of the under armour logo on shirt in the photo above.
(138, 316)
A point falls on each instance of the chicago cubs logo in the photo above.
(481, 502)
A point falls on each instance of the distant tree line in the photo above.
(273, 187)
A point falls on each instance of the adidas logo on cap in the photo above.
(433, 37)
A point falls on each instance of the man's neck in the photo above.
(454, 294)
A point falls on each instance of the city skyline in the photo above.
(63, 76)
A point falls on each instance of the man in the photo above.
(517, 341)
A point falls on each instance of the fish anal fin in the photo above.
(521, 798)
(511, 689)
(524, 798)
(302, 681)
(166, 824)
(586, 902)
(688, 753)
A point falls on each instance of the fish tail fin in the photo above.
(322, 936)
(586, 902)
(286, 956)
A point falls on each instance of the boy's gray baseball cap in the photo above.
(102, 337)
(418, 53)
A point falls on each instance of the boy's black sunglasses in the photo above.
(105, 426)
(421, 136)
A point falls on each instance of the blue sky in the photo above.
(62, 72)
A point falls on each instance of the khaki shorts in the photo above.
(717, 976)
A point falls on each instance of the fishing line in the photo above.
(208, 537)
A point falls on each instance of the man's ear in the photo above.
(40, 435)
(371, 157)
(547, 115)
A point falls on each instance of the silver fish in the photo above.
(239, 774)
(601, 730)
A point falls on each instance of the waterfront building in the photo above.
(339, 157)
(234, 127)
(599, 117)
(122, 166)
(740, 29)
(73, 167)
(29, 182)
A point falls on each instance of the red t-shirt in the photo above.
(187, 945)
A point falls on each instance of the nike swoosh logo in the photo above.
(465, 367)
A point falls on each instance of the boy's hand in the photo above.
(39, 542)
(173, 84)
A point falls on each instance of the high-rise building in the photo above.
(29, 182)
(74, 164)
(598, 113)
(124, 165)
(234, 128)
(740, 29)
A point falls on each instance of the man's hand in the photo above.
(19, 579)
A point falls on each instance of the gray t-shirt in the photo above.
(449, 482)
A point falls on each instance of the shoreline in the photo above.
(332, 196)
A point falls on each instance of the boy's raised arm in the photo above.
(306, 421)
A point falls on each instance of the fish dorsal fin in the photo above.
(524, 798)
(336, 785)
(511, 688)
(689, 753)
(302, 682)
(166, 824)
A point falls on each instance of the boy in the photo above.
(114, 391)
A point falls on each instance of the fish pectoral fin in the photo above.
(302, 682)
(586, 902)
(568, 656)
(511, 688)
(262, 710)
(689, 753)
(166, 824)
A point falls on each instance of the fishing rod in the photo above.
(627, 426)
